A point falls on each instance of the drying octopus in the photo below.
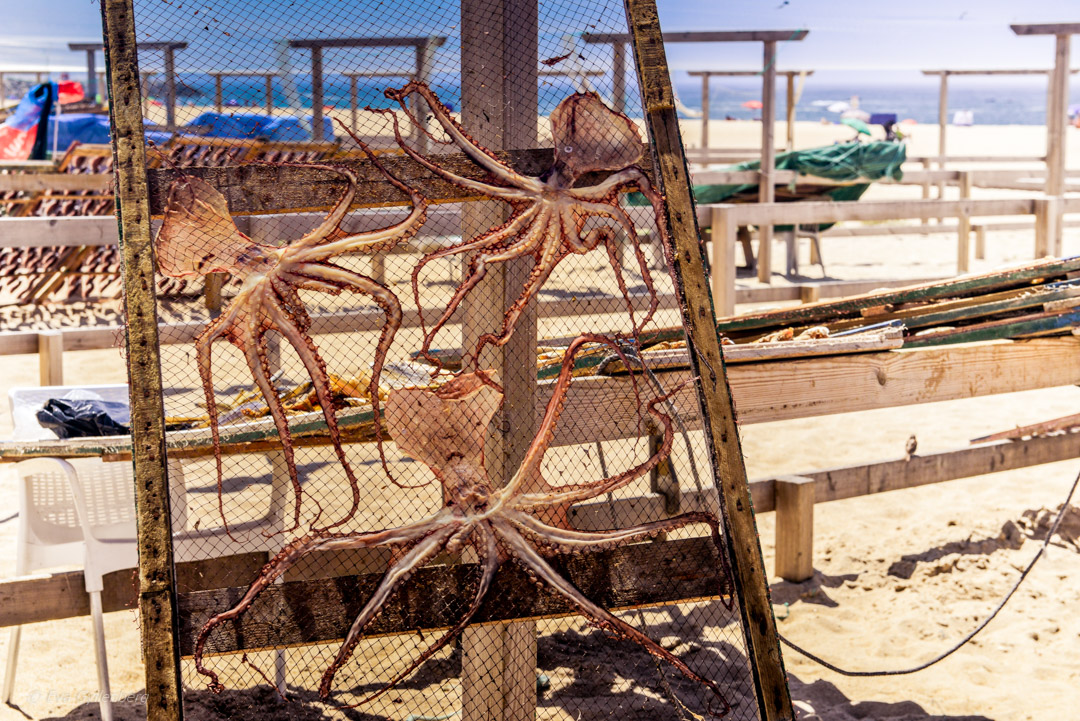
(445, 429)
(198, 236)
(549, 213)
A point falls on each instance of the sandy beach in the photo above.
(899, 577)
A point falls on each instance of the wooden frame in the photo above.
(157, 586)
(140, 194)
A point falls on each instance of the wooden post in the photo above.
(618, 77)
(1047, 216)
(1055, 136)
(51, 357)
(499, 98)
(157, 587)
(810, 293)
(425, 62)
(91, 75)
(212, 291)
(705, 114)
(707, 366)
(218, 99)
(767, 193)
(980, 241)
(353, 102)
(316, 93)
(790, 108)
(943, 120)
(963, 225)
(794, 528)
(926, 188)
(724, 232)
(170, 89)
(269, 94)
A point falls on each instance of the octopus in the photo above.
(551, 215)
(445, 429)
(198, 236)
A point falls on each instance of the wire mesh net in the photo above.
(435, 373)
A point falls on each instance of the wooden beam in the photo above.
(377, 42)
(157, 587)
(59, 182)
(46, 232)
(837, 484)
(1047, 29)
(711, 388)
(603, 408)
(831, 212)
(708, 36)
(642, 574)
(54, 596)
(255, 189)
(499, 105)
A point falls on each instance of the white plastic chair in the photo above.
(69, 516)
(83, 513)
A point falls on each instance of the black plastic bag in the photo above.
(83, 418)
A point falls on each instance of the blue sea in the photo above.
(1008, 102)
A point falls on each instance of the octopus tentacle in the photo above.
(287, 557)
(320, 381)
(600, 616)
(534, 455)
(217, 328)
(489, 560)
(564, 540)
(492, 191)
(492, 238)
(259, 364)
(478, 269)
(397, 574)
(549, 256)
(479, 154)
(391, 307)
(583, 492)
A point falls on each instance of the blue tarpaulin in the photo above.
(89, 128)
(253, 125)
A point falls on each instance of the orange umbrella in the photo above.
(753, 105)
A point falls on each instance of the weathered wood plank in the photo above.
(265, 188)
(837, 484)
(603, 408)
(999, 280)
(58, 182)
(642, 574)
(712, 391)
(829, 212)
(55, 596)
(157, 583)
(39, 232)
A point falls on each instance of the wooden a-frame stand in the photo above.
(137, 193)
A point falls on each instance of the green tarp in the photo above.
(843, 162)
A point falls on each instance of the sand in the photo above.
(899, 576)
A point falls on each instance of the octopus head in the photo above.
(445, 429)
(589, 136)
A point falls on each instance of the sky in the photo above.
(890, 39)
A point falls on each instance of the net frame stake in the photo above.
(707, 364)
(158, 621)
